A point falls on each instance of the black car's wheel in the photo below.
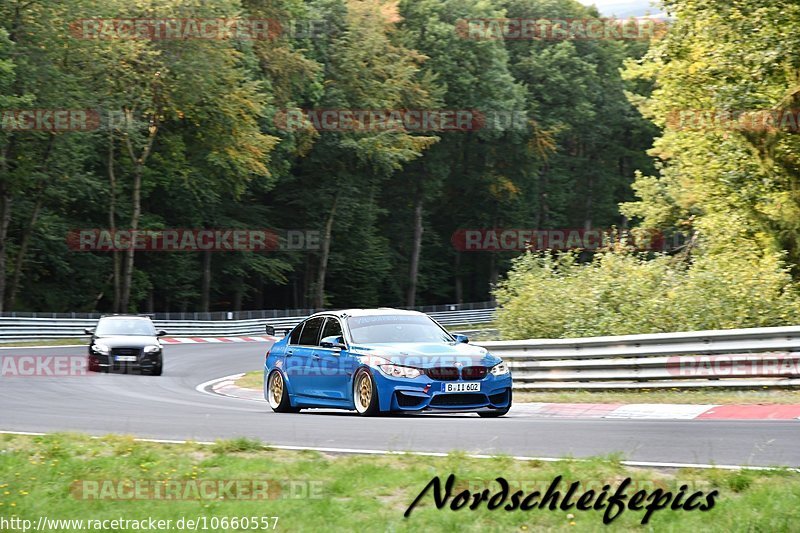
(365, 394)
(498, 412)
(277, 395)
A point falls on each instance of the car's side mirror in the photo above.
(89, 331)
(337, 343)
(462, 339)
(160, 333)
(270, 330)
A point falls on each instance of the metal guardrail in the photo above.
(244, 315)
(15, 329)
(768, 357)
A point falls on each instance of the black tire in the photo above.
(278, 399)
(498, 412)
(365, 394)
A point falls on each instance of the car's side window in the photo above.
(332, 328)
(295, 337)
(310, 335)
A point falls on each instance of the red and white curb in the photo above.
(654, 411)
(638, 411)
(201, 340)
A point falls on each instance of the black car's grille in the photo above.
(442, 373)
(126, 351)
(474, 372)
(442, 400)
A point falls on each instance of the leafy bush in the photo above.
(621, 292)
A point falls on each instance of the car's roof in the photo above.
(342, 313)
(126, 317)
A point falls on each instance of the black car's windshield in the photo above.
(121, 326)
(395, 328)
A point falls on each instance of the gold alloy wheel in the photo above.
(275, 389)
(364, 392)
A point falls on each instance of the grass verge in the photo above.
(310, 491)
(45, 342)
(251, 380)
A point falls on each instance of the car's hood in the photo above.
(127, 341)
(427, 355)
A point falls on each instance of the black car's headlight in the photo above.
(152, 349)
(397, 371)
(500, 369)
(102, 349)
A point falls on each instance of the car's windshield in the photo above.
(395, 328)
(121, 326)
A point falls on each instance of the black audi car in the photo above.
(126, 343)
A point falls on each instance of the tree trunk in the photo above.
(319, 289)
(23, 251)
(138, 168)
(416, 251)
(5, 219)
(112, 224)
(130, 253)
(237, 299)
(459, 280)
(5, 212)
(493, 277)
(205, 296)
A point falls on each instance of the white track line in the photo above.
(205, 385)
(43, 347)
(356, 451)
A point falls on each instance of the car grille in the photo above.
(442, 373)
(126, 351)
(442, 400)
(474, 372)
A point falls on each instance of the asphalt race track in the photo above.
(169, 407)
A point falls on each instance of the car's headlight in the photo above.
(500, 369)
(101, 348)
(397, 371)
(152, 349)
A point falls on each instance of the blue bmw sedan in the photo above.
(378, 361)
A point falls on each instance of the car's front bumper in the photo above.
(425, 394)
(144, 361)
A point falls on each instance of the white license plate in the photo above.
(461, 387)
(125, 358)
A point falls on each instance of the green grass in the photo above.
(46, 342)
(252, 380)
(697, 396)
(364, 492)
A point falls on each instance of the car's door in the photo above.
(334, 364)
(301, 363)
